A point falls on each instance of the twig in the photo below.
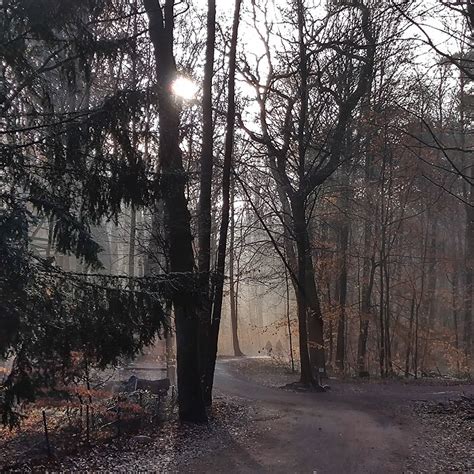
(46, 435)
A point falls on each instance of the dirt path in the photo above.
(354, 428)
(256, 427)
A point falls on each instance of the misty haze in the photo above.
(236, 236)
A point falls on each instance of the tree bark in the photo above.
(381, 318)
(205, 196)
(429, 302)
(455, 304)
(177, 216)
(468, 195)
(232, 290)
(302, 245)
(343, 231)
(410, 335)
(368, 266)
(308, 178)
(469, 278)
(226, 172)
(368, 276)
(314, 321)
(288, 320)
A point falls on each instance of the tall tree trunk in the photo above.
(133, 211)
(226, 172)
(288, 320)
(468, 195)
(309, 293)
(410, 335)
(343, 232)
(368, 277)
(302, 241)
(232, 291)
(169, 347)
(469, 278)
(205, 196)
(331, 327)
(368, 270)
(387, 325)
(314, 319)
(381, 317)
(454, 302)
(428, 303)
(177, 216)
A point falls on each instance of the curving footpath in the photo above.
(353, 428)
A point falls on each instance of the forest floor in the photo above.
(369, 426)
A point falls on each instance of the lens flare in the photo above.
(184, 88)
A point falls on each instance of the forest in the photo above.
(202, 202)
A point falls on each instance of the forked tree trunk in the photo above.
(305, 310)
(177, 216)
(308, 181)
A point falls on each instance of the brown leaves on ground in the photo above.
(73, 425)
(448, 435)
(144, 445)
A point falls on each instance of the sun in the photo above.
(184, 88)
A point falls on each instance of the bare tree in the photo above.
(226, 181)
(302, 159)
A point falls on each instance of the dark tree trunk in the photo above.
(428, 310)
(454, 302)
(314, 321)
(204, 213)
(341, 323)
(387, 325)
(410, 335)
(177, 216)
(226, 172)
(331, 328)
(288, 320)
(343, 232)
(313, 314)
(381, 316)
(468, 194)
(314, 318)
(469, 279)
(368, 276)
(368, 266)
(303, 278)
(301, 237)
